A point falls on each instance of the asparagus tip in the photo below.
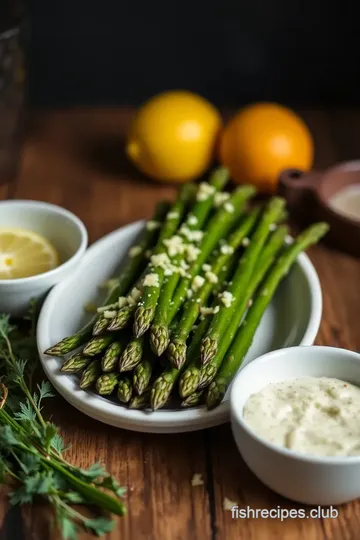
(124, 392)
(121, 320)
(100, 326)
(208, 350)
(189, 382)
(215, 394)
(160, 393)
(159, 339)
(140, 402)
(142, 320)
(55, 350)
(131, 356)
(105, 384)
(192, 400)
(177, 352)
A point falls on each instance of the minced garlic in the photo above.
(197, 480)
(122, 301)
(161, 259)
(152, 225)
(192, 253)
(228, 504)
(229, 207)
(135, 251)
(151, 280)
(197, 282)
(211, 277)
(205, 191)
(102, 309)
(225, 249)
(175, 245)
(220, 198)
(192, 236)
(205, 311)
(226, 298)
(134, 296)
(192, 220)
(109, 314)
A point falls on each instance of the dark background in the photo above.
(232, 51)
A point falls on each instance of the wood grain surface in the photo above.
(74, 159)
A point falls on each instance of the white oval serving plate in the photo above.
(293, 318)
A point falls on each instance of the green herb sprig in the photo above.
(31, 448)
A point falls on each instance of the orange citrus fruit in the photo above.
(173, 136)
(263, 139)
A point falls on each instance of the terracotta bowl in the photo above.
(309, 193)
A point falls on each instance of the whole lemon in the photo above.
(173, 136)
(263, 139)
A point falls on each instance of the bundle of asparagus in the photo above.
(186, 305)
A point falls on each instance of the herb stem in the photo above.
(91, 492)
(12, 360)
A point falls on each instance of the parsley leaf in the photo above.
(100, 525)
(68, 529)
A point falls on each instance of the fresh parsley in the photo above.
(31, 448)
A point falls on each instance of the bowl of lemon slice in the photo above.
(40, 245)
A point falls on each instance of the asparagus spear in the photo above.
(163, 385)
(272, 213)
(122, 318)
(193, 400)
(90, 374)
(111, 357)
(98, 344)
(131, 355)
(177, 348)
(146, 306)
(245, 335)
(128, 275)
(197, 376)
(195, 221)
(219, 226)
(136, 261)
(140, 402)
(75, 363)
(142, 375)
(105, 384)
(124, 390)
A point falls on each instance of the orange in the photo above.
(173, 136)
(262, 140)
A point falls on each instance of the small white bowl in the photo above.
(300, 477)
(63, 229)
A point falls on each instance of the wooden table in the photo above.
(74, 159)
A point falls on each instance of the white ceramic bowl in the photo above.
(303, 478)
(292, 318)
(64, 230)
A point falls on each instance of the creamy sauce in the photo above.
(318, 416)
(347, 202)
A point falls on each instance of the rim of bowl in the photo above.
(294, 454)
(56, 209)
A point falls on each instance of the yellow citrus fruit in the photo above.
(173, 136)
(24, 254)
(263, 139)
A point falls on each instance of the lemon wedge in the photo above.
(25, 253)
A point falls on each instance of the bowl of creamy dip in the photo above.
(295, 416)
